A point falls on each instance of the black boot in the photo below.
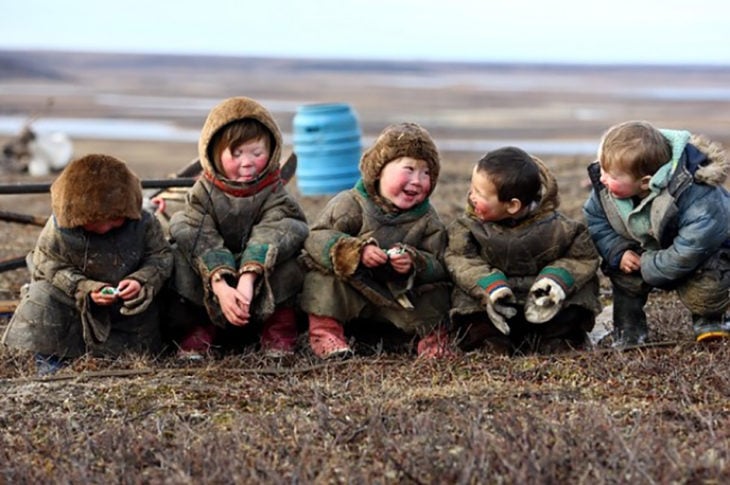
(629, 319)
(708, 328)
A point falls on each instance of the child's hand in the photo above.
(400, 260)
(246, 290)
(630, 262)
(128, 289)
(234, 304)
(373, 256)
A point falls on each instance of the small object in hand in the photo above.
(395, 251)
(109, 291)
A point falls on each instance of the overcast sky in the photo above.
(583, 31)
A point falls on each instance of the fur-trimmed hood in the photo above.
(549, 196)
(396, 141)
(228, 111)
(95, 188)
(715, 171)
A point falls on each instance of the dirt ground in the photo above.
(656, 415)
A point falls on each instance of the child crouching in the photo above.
(96, 270)
(525, 275)
(375, 251)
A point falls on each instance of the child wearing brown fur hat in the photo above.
(237, 240)
(375, 251)
(98, 265)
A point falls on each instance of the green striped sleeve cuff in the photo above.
(493, 281)
(559, 275)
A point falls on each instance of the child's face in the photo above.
(405, 181)
(102, 227)
(245, 162)
(623, 185)
(485, 201)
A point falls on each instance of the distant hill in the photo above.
(23, 65)
(57, 65)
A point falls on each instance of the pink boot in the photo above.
(279, 336)
(197, 342)
(435, 345)
(327, 337)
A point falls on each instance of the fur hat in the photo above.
(396, 141)
(95, 188)
(231, 110)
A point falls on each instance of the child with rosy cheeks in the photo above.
(374, 253)
(96, 271)
(525, 275)
(237, 240)
(658, 214)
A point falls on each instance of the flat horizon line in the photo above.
(377, 60)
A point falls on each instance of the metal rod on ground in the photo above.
(13, 263)
(42, 188)
(23, 218)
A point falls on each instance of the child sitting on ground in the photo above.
(237, 240)
(659, 214)
(375, 251)
(96, 270)
(525, 275)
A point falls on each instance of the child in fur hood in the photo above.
(525, 275)
(96, 270)
(237, 240)
(375, 251)
(659, 214)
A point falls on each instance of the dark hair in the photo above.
(514, 174)
(236, 133)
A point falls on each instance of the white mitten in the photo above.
(544, 301)
(500, 307)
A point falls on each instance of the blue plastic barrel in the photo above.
(327, 142)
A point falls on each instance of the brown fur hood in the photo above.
(396, 141)
(228, 111)
(549, 197)
(95, 188)
(716, 171)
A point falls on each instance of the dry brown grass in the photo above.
(657, 415)
(649, 416)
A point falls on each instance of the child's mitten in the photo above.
(544, 300)
(500, 308)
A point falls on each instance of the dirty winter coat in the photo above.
(231, 227)
(544, 243)
(57, 316)
(350, 221)
(681, 224)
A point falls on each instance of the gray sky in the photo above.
(624, 31)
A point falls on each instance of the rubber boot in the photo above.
(197, 342)
(327, 338)
(279, 335)
(708, 328)
(629, 319)
(435, 345)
